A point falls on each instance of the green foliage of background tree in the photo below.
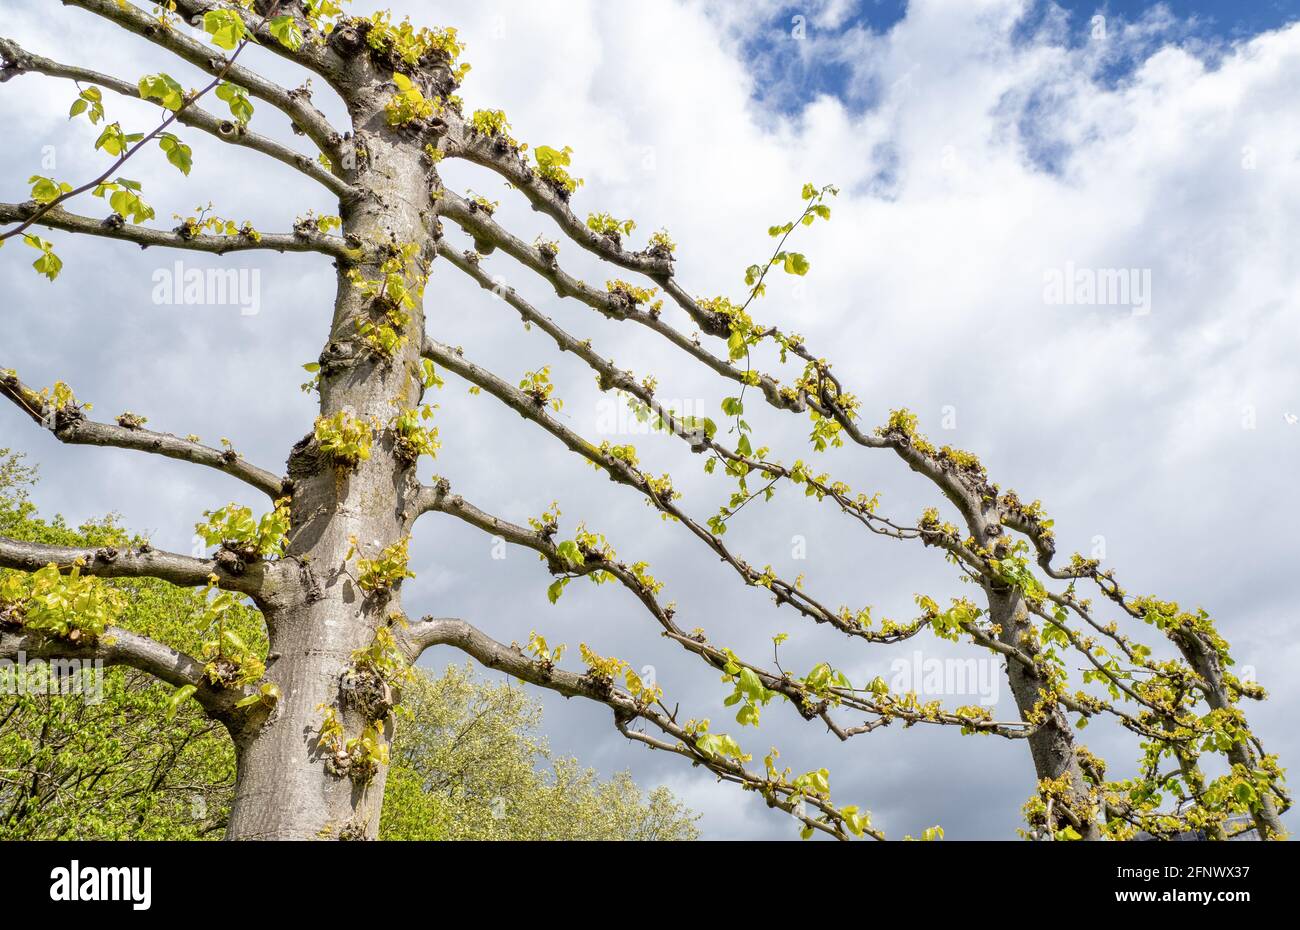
(131, 764)
(128, 766)
(468, 764)
(325, 563)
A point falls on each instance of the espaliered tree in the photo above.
(312, 719)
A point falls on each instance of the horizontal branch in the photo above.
(461, 141)
(778, 792)
(18, 60)
(610, 377)
(140, 562)
(73, 428)
(489, 235)
(305, 116)
(314, 55)
(303, 239)
(122, 647)
(656, 492)
(810, 706)
(966, 488)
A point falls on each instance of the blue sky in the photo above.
(786, 78)
(1228, 18)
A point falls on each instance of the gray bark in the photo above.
(1202, 657)
(1052, 745)
(286, 789)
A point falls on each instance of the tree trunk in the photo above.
(1203, 657)
(288, 786)
(1052, 745)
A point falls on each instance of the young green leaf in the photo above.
(48, 264)
(226, 28)
(236, 97)
(286, 31)
(164, 89)
(46, 190)
(795, 263)
(177, 152)
(179, 697)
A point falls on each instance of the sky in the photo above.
(993, 157)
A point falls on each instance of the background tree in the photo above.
(468, 764)
(325, 566)
(127, 763)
